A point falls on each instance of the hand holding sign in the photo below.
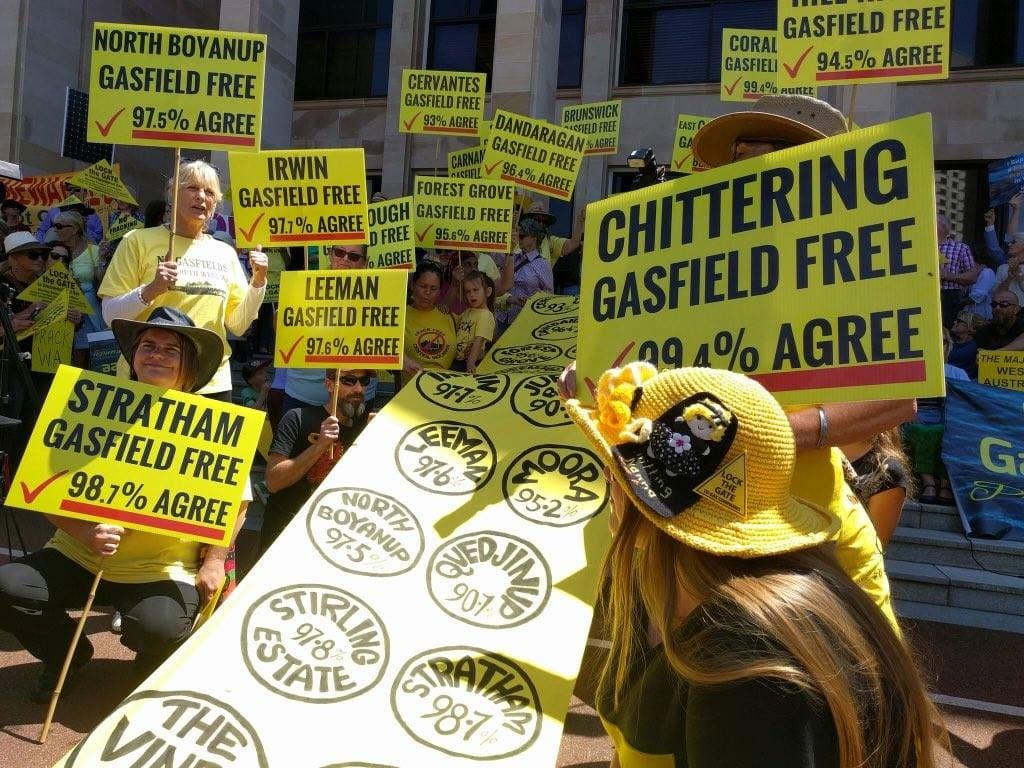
(102, 539)
(165, 278)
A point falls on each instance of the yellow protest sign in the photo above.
(466, 163)
(275, 266)
(122, 225)
(999, 368)
(890, 42)
(682, 152)
(534, 154)
(749, 64)
(188, 457)
(392, 242)
(54, 312)
(463, 214)
(599, 122)
(440, 102)
(51, 346)
(299, 197)
(541, 341)
(49, 286)
(813, 269)
(419, 589)
(352, 318)
(102, 179)
(169, 87)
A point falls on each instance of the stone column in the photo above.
(406, 33)
(526, 35)
(598, 43)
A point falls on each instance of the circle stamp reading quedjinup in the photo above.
(462, 391)
(446, 457)
(526, 354)
(467, 702)
(535, 398)
(362, 531)
(562, 329)
(556, 485)
(553, 304)
(158, 728)
(314, 643)
(489, 579)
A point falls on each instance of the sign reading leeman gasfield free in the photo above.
(534, 154)
(168, 87)
(439, 102)
(117, 451)
(469, 214)
(299, 197)
(813, 271)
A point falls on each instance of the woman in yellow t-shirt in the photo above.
(429, 332)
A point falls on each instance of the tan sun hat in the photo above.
(706, 455)
(792, 118)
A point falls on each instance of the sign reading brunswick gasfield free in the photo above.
(341, 317)
(151, 459)
(886, 42)
(749, 63)
(439, 102)
(534, 154)
(813, 269)
(392, 242)
(599, 122)
(682, 147)
(463, 214)
(168, 87)
(299, 197)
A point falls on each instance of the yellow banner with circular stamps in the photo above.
(463, 214)
(443, 103)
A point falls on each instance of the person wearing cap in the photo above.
(156, 582)
(553, 248)
(257, 384)
(13, 215)
(523, 273)
(737, 639)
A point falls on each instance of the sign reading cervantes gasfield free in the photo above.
(439, 102)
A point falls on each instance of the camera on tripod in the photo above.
(648, 172)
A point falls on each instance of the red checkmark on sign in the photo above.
(799, 62)
(30, 495)
(730, 88)
(247, 234)
(423, 237)
(287, 356)
(488, 170)
(105, 129)
(408, 123)
(682, 162)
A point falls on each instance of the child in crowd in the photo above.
(475, 327)
(257, 384)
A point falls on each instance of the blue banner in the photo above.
(983, 450)
(1005, 179)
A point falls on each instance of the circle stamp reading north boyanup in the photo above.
(446, 457)
(556, 485)
(362, 531)
(467, 702)
(314, 643)
(552, 304)
(462, 391)
(562, 329)
(535, 398)
(489, 579)
(526, 354)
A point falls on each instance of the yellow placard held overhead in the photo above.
(682, 146)
(541, 341)
(169, 87)
(49, 286)
(440, 102)
(102, 179)
(188, 457)
(599, 122)
(351, 318)
(392, 239)
(813, 269)
(122, 225)
(999, 368)
(749, 63)
(895, 41)
(463, 214)
(534, 154)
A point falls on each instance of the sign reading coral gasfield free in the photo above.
(350, 317)
(599, 122)
(534, 154)
(299, 197)
(463, 214)
(749, 63)
(392, 242)
(682, 147)
(439, 102)
(187, 457)
(168, 87)
(812, 269)
(881, 42)
(999, 368)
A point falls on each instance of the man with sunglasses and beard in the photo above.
(1006, 330)
(306, 446)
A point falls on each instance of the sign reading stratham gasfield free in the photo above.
(439, 102)
(812, 269)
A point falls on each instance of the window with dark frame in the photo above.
(462, 36)
(987, 34)
(570, 43)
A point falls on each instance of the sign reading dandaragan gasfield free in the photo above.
(534, 154)
(434, 101)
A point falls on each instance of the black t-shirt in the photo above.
(989, 337)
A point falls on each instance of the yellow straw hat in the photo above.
(706, 455)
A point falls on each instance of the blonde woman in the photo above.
(87, 267)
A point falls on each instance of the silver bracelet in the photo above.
(822, 428)
(138, 292)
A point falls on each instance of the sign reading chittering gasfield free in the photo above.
(438, 102)
(169, 87)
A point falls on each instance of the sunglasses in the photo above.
(351, 381)
(353, 256)
(63, 226)
(36, 255)
(1002, 304)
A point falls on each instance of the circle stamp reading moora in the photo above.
(555, 485)
(489, 579)
(462, 391)
(363, 531)
(314, 643)
(446, 457)
(467, 702)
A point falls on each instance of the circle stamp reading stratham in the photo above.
(526, 354)
(462, 391)
(555, 305)
(362, 531)
(556, 485)
(535, 398)
(314, 643)
(489, 579)
(467, 702)
(562, 329)
(171, 728)
(446, 457)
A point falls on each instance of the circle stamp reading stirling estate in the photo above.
(365, 532)
(535, 398)
(551, 304)
(489, 579)
(315, 643)
(467, 702)
(555, 485)
(562, 329)
(526, 354)
(171, 728)
(462, 391)
(446, 457)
